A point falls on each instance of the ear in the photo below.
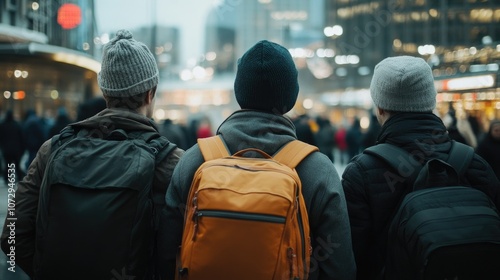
(150, 96)
(382, 115)
(380, 111)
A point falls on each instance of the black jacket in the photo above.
(372, 196)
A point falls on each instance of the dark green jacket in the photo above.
(28, 188)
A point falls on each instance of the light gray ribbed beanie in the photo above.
(403, 84)
(128, 67)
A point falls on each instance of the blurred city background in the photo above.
(50, 53)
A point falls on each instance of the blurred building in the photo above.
(46, 59)
(164, 42)
(206, 84)
(459, 39)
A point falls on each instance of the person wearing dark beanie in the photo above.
(404, 96)
(266, 79)
(266, 88)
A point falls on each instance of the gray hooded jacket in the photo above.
(332, 256)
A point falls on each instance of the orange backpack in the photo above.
(246, 217)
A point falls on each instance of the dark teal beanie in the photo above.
(266, 79)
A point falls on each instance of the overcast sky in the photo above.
(188, 15)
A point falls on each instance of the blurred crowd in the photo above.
(22, 138)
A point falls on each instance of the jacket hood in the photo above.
(256, 129)
(423, 131)
(116, 118)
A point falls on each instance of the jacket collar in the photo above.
(413, 129)
(117, 118)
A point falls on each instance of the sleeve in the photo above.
(172, 215)
(24, 214)
(481, 176)
(332, 255)
(163, 177)
(360, 219)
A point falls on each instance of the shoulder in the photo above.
(480, 170)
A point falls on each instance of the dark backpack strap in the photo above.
(397, 158)
(57, 140)
(460, 157)
(159, 144)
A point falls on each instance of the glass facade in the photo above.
(458, 38)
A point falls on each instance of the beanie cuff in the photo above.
(132, 90)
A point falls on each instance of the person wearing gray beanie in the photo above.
(404, 96)
(403, 84)
(129, 74)
(107, 174)
(266, 79)
(128, 67)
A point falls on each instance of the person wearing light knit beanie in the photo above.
(404, 96)
(85, 210)
(266, 88)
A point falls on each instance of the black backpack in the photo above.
(442, 229)
(96, 217)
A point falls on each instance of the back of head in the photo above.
(128, 67)
(266, 79)
(403, 84)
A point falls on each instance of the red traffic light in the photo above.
(69, 16)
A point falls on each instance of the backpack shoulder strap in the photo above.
(212, 147)
(398, 158)
(293, 153)
(160, 145)
(460, 157)
(59, 139)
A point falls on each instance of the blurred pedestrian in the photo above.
(303, 129)
(353, 138)
(12, 146)
(33, 134)
(489, 147)
(204, 129)
(459, 128)
(174, 133)
(325, 137)
(341, 144)
(370, 136)
(266, 88)
(62, 120)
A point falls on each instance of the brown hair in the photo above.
(131, 103)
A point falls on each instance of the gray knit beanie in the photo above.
(403, 84)
(128, 67)
(266, 79)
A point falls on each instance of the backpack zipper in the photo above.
(241, 216)
(230, 215)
